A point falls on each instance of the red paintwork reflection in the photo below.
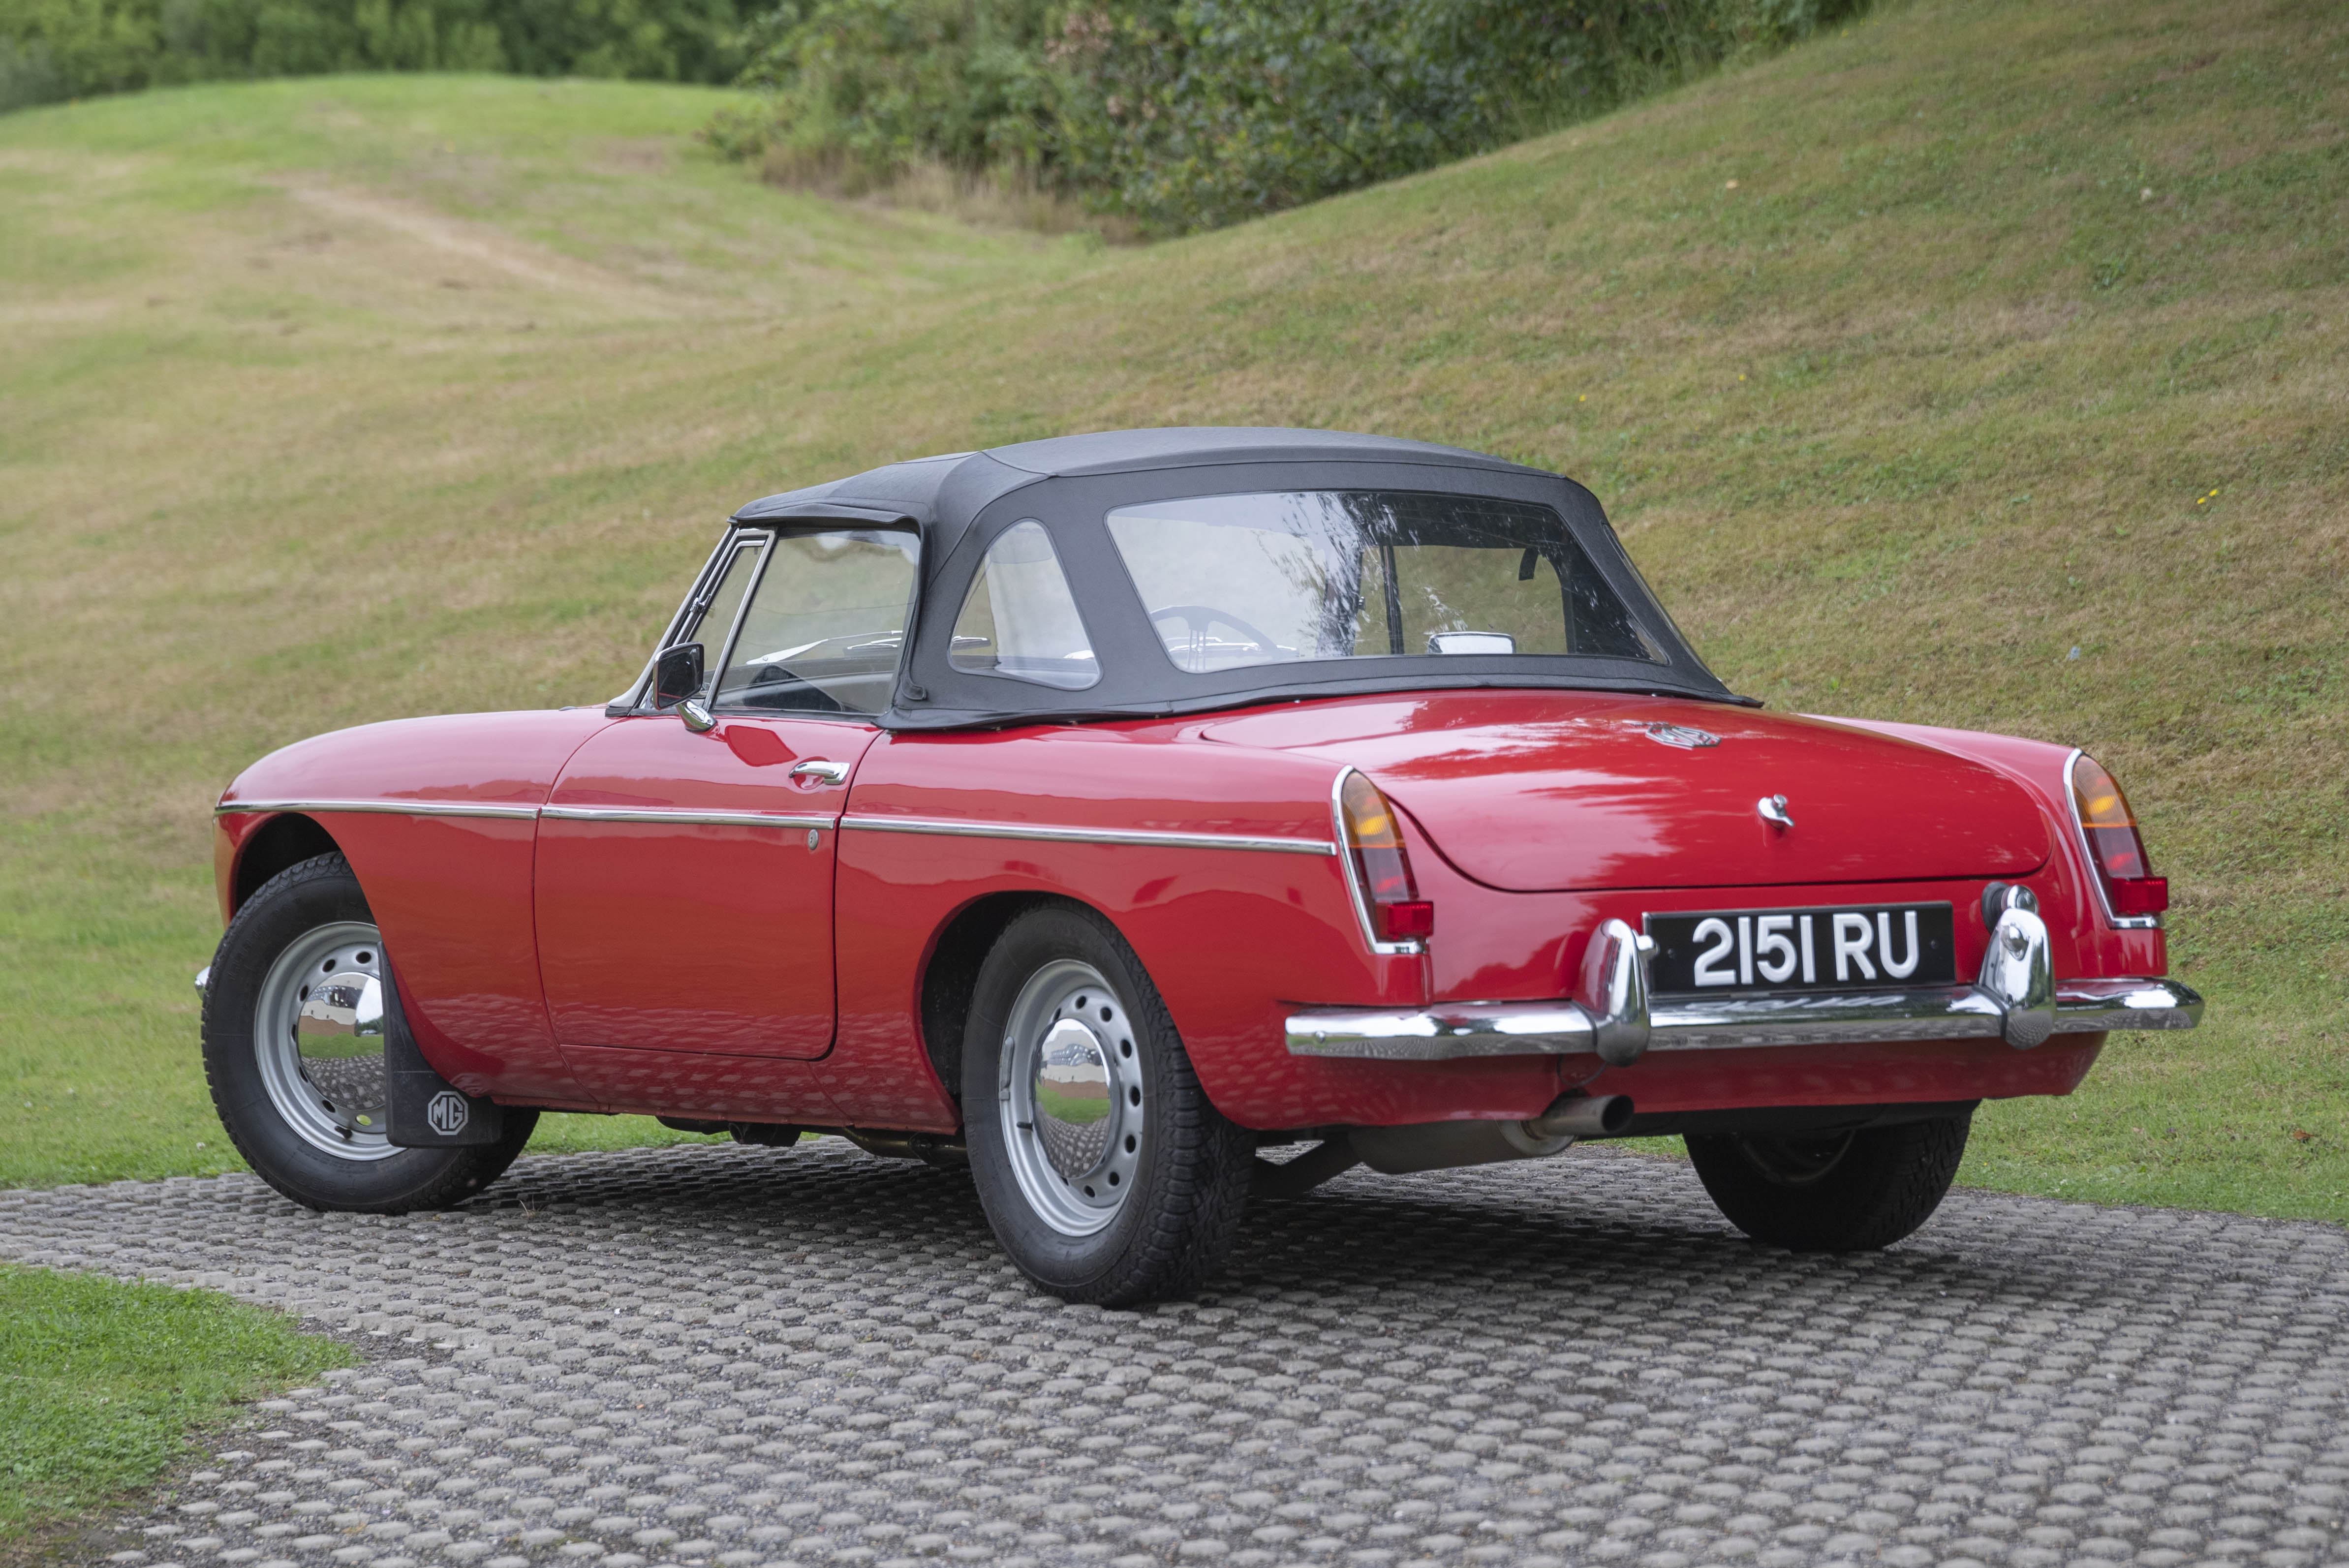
(505, 759)
(693, 936)
(690, 1083)
(688, 966)
(2067, 900)
(1498, 947)
(1220, 931)
(1912, 1073)
(1530, 792)
(451, 893)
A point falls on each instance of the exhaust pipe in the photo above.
(1584, 1115)
(930, 1148)
(1446, 1145)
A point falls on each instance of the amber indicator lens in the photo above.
(1397, 912)
(2114, 842)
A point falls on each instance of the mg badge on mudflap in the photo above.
(448, 1113)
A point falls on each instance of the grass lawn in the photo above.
(101, 1382)
(1982, 364)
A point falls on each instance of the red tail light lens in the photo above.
(2131, 889)
(1391, 903)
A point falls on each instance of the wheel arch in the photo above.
(281, 842)
(951, 971)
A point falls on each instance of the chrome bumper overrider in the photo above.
(2014, 999)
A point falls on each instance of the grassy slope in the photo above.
(100, 1381)
(1937, 392)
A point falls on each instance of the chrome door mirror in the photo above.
(677, 675)
(697, 716)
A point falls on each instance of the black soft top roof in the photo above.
(942, 493)
(1071, 481)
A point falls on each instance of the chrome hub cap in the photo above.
(1070, 1096)
(318, 1036)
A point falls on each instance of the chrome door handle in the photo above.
(830, 772)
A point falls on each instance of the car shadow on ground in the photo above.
(1620, 1232)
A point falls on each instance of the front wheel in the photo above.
(1839, 1192)
(294, 1021)
(1104, 1171)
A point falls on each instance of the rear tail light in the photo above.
(1378, 868)
(2131, 890)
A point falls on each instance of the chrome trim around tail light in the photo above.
(2015, 999)
(2088, 852)
(1356, 894)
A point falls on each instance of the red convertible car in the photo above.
(1101, 811)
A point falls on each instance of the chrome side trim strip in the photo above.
(387, 808)
(1451, 1030)
(682, 816)
(1088, 835)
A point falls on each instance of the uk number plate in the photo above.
(1869, 946)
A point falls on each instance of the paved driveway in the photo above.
(740, 1356)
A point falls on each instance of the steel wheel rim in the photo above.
(334, 1098)
(1797, 1162)
(1068, 1047)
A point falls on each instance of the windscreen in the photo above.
(1287, 575)
(825, 626)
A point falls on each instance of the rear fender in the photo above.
(2068, 894)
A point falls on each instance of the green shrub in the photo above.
(52, 49)
(1186, 114)
(863, 90)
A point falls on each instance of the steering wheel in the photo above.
(1198, 618)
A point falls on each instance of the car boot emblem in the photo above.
(1687, 737)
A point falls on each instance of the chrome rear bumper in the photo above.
(2014, 1000)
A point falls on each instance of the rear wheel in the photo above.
(1105, 1172)
(1840, 1192)
(294, 1039)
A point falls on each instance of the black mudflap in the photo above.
(426, 1110)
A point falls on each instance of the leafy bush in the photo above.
(864, 89)
(52, 49)
(1185, 114)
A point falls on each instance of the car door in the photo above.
(683, 890)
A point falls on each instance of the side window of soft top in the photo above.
(1020, 619)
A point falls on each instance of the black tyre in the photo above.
(1843, 1192)
(1105, 1172)
(294, 1055)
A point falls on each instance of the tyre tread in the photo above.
(1887, 1183)
(1198, 1194)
